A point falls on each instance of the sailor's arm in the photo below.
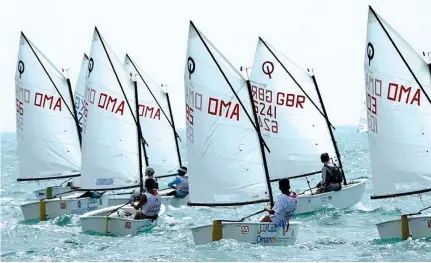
(142, 201)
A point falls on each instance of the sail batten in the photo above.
(397, 81)
(225, 165)
(48, 145)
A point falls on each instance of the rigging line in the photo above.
(425, 208)
(420, 197)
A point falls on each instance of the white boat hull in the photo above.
(419, 227)
(63, 206)
(117, 223)
(57, 191)
(348, 196)
(261, 233)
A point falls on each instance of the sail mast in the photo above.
(141, 185)
(262, 149)
(334, 142)
(399, 53)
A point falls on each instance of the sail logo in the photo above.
(245, 229)
(21, 68)
(268, 68)
(370, 52)
(62, 205)
(128, 225)
(90, 66)
(429, 223)
(191, 66)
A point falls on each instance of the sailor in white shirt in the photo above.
(284, 207)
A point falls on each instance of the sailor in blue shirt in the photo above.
(180, 184)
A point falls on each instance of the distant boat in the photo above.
(398, 89)
(225, 149)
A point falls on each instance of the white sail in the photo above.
(294, 129)
(399, 114)
(223, 151)
(155, 122)
(80, 89)
(110, 141)
(363, 123)
(48, 142)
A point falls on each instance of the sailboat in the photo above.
(47, 131)
(61, 190)
(112, 141)
(158, 128)
(294, 123)
(398, 88)
(225, 149)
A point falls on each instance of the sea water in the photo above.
(327, 235)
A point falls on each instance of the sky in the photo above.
(328, 36)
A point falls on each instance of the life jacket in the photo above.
(334, 176)
(182, 188)
(153, 204)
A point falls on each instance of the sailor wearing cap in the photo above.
(180, 184)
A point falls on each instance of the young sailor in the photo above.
(180, 184)
(284, 207)
(149, 173)
(150, 203)
(331, 176)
